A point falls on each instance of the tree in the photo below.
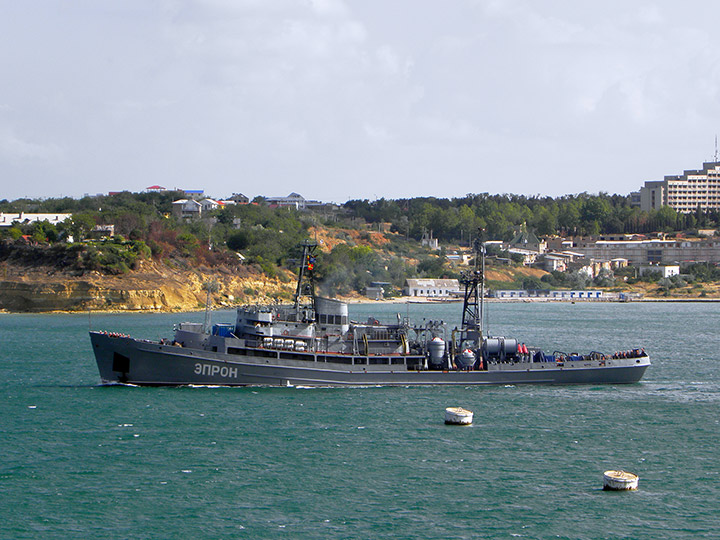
(81, 224)
(605, 278)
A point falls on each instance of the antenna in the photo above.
(716, 149)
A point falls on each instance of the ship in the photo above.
(313, 342)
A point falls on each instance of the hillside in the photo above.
(124, 275)
(162, 287)
(154, 286)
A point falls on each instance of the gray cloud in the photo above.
(337, 99)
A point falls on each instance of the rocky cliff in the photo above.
(153, 287)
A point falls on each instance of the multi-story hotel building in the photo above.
(685, 192)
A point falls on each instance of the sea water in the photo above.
(80, 460)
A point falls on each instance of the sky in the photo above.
(355, 99)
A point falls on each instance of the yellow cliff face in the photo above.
(160, 289)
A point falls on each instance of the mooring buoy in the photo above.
(620, 481)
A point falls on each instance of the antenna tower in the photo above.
(306, 281)
(474, 281)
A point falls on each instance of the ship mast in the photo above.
(474, 281)
(306, 283)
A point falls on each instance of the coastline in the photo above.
(363, 301)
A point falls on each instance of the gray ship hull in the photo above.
(126, 360)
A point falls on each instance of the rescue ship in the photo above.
(313, 342)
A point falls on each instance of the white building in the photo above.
(23, 218)
(685, 192)
(545, 293)
(432, 288)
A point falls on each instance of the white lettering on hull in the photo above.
(214, 370)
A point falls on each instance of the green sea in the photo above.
(81, 460)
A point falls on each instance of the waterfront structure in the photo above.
(432, 288)
(686, 192)
(509, 294)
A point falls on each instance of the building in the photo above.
(210, 204)
(239, 198)
(429, 242)
(102, 231)
(551, 263)
(432, 288)
(193, 209)
(666, 271)
(686, 192)
(528, 256)
(374, 293)
(294, 200)
(460, 258)
(186, 208)
(528, 241)
(376, 290)
(655, 251)
(23, 218)
(546, 293)
(194, 193)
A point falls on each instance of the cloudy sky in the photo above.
(340, 99)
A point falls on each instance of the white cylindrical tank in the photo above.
(436, 347)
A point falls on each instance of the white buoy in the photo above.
(458, 416)
(620, 481)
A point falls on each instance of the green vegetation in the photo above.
(267, 238)
(455, 220)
